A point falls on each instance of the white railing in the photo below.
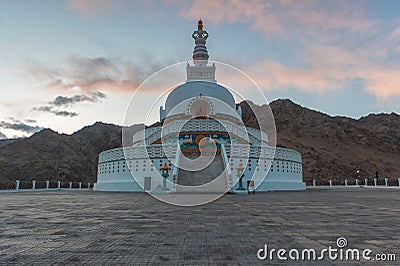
(180, 126)
(175, 165)
(357, 183)
(263, 152)
(137, 152)
(225, 159)
(33, 185)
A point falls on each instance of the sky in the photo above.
(69, 63)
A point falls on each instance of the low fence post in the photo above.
(70, 185)
(398, 180)
(345, 182)
(386, 181)
(33, 184)
(58, 185)
(88, 185)
(47, 184)
(17, 184)
(80, 185)
(314, 183)
(366, 181)
(357, 182)
(330, 183)
(375, 181)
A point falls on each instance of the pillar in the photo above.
(398, 180)
(366, 181)
(386, 181)
(330, 183)
(345, 182)
(375, 181)
(70, 185)
(356, 181)
(17, 184)
(58, 185)
(80, 185)
(33, 184)
(88, 185)
(47, 184)
(313, 183)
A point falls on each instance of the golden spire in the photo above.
(200, 25)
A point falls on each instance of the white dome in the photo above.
(196, 88)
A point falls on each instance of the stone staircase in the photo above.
(203, 181)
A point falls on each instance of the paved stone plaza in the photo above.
(133, 228)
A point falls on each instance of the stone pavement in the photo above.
(84, 227)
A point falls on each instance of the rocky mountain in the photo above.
(4, 142)
(336, 147)
(331, 147)
(48, 155)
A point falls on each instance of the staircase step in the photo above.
(194, 181)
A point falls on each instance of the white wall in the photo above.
(115, 175)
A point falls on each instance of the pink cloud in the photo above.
(272, 75)
(95, 7)
(282, 18)
(337, 42)
(380, 80)
(383, 83)
(90, 74)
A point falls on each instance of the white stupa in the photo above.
(199, 120)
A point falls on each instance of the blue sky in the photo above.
(66, 64)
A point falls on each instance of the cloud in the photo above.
(68, 101)
(30, 120)
(94, 97)
(382, 81)
(65, 113)
(88, 74)
(90, 8)
(20, 127)
(51, 110)
(282, 18)
(335, 43)
(12, 119)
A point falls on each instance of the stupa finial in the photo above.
(200, 54)
(201, 70)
